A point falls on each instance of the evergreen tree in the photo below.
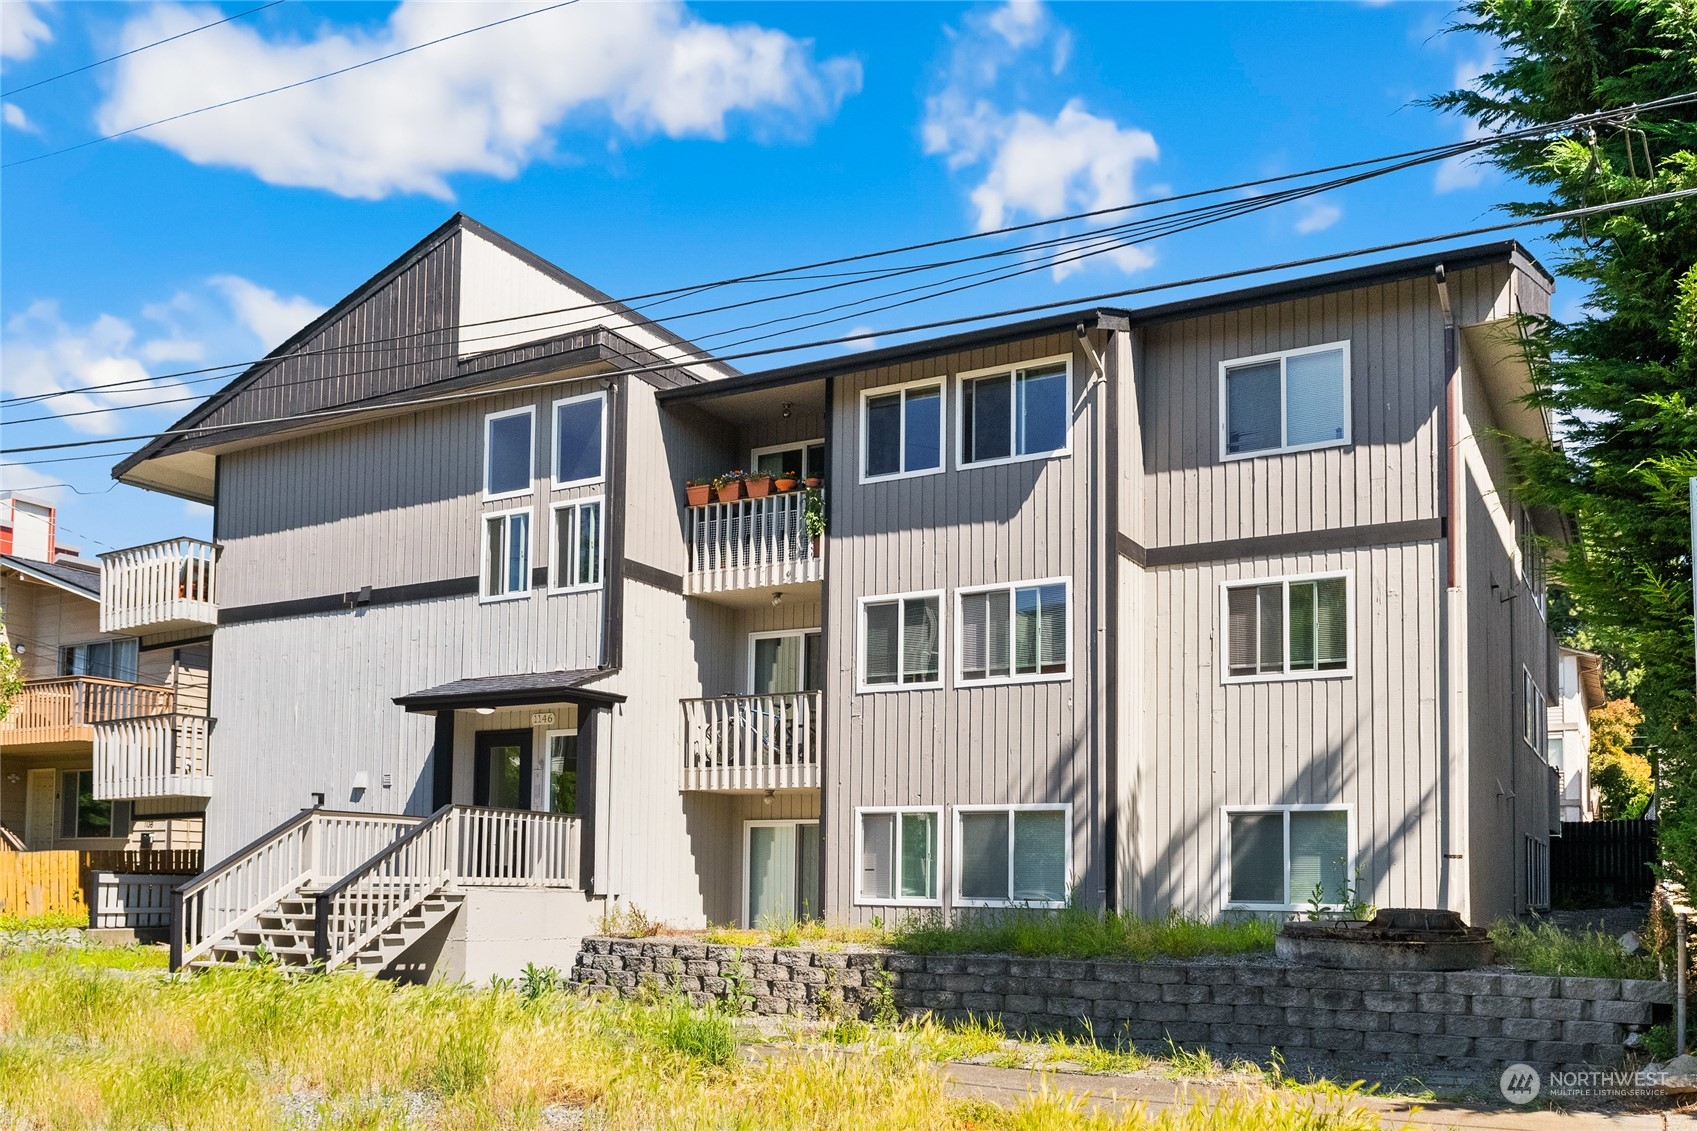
(1622, 377)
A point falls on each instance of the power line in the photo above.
(286, 86)
(134, 50)
(1409, 158)
(1081, 301)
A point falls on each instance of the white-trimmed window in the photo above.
(901, 430)
(1287, 628)
(506, 555)
(806, 458)
(1015, 414)
(577, 546)
(1012, 632)
(1288, 401)
(899, 854)
(1274, 856)
(1013, 854)
(509, 441)
(901, 641)
(1535, 713)
(580, 439)
(1532, 561)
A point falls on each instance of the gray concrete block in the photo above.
(985, 967)
(1442, 1003)
(1286, 995)
(807, 975)
(1209, 974)
(772, 972)
(1445, 1045)
(1591, 1032)
(1166, 1012)
(1420, 1023)
(1288, 1036)
(1095, 991)
(1388, 1001)
(1138, 991)
(1555, 1052)
(1559, 1008)
(1415, 982)
(1471, 983)
(1532, 1029)
(1501, 1048)
(1070, 1007)
(1258, 1014)
(1390, 1042)
(1261, 976)
(1338, 1040)
(1107, 971)
(1185, 992)
(940, 964)
(1111, 1009)
(1491, 1006)
(939, 999)
(983, 1003)
(1591, 989)
(1364, 1021)
(904, 963)
(1336, 998)
(1469, 1025)
(1660, 993)
(1309, 1017)
(1024, 1003)
(1622, 1012)
(1162, 975)
(831, 960)
(1209, 1013)
(1526, 985)
(1235, 995)
(960, 983)
(1188, 1034)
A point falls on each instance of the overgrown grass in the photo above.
(50, 921)
(1547, 949)
(809, 932)
(84, 1048)
(1080, 933)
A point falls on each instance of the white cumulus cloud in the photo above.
(1468, 170)
(46, 354)
(22, 29)
(270, 317)
(14, 116)
(1029, 165)
(1317, 217)
(486, 103)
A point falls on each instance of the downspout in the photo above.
(1453, 886)
(1107, 552)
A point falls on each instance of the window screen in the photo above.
(1017, 631)
(1278, 856)
(1252, 407)
(918, 855)
(1014, 414)
(984, 855)
(883, 642)
(1312, 617)
(1014, 855)
(1039, 856)
(1291, 401)
(877, 855)
(1258, 858)
(507, 466)
(577, 439)
(1319, 854)
(986, 623)
(904, 432)
(902, 638)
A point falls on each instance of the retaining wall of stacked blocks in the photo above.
(1451, 1023)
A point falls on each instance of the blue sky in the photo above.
(641, 147)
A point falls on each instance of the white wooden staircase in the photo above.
(327, 890)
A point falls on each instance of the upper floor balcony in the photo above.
(752, 743)
(164, 755)
(160, 587)
(64, 711)
(748, 546)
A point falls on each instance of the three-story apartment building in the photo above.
(1206, 606)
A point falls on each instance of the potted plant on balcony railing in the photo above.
(758, 485)
(813, 517)
(700, 491)
(786, 481)
(813, 482)
(728, 487)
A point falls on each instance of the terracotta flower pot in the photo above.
(700, 494)
(730, 492)
(784, 485)
(812, 481)
(758, 486)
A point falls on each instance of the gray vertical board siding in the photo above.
(1019, 743)
(1369, 740)
(400, 336)
(1389, 471)
(668, 446)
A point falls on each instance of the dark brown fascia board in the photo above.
(1371, 274)
(417, 704)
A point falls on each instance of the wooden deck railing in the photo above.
(62, 709)
(752, 742)
(156, 756)
(752, 543)
(315, 847)
(170, 584)
(458, 846)
(119, 899)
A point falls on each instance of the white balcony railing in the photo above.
(154, 756)
(752, 742)
(159, 587)
(752, 544)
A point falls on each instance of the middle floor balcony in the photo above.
(752, 743)
(747, 548)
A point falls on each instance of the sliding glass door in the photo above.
(781, 872)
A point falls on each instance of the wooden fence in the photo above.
(151, 862)
(41, 883)
(1602, 863)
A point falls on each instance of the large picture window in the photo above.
(508, 439)
(901, 641)
(1287, 628)
(898, 856)
(1281, 857)
(902, 431)
(1285, 402)
(1013, 854)
(106, 659)
(83, 816)
(506, 554)
(577, 546)
(1015, 414)
(580, 429)
(1013, 632)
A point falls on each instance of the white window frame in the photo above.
(1280, 356)
(1226, 814)
(554, 585)
(961, 462)
(554, 448)
(864, 688)
(776, 634)
(1224, 635)
(548, 737)
(748, 856)
(1534, 722)
(942, 385)
(1533, 575)
(960, 856)
(483, 556)
(754, 454)
(488, 430)
(861, 899)
(995, 681)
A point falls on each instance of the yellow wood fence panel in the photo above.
(40, 883)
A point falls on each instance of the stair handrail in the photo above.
(359, 907)
(189, 913)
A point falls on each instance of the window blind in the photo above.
(1252, 407)
(882, 636)
(1331, 623)
(919, 640)
(1241, 620)
(984, 855)
(1039, 855)
(877, 853)
(1319, 854)
(984, 635)
(1257, 858)
(1316, 398)
(919, 855)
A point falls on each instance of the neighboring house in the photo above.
(1193, 607)
(1580, 691)
(86, 688)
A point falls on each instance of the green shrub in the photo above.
(705, 1036)
(1546, 949)
(1076, 932)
